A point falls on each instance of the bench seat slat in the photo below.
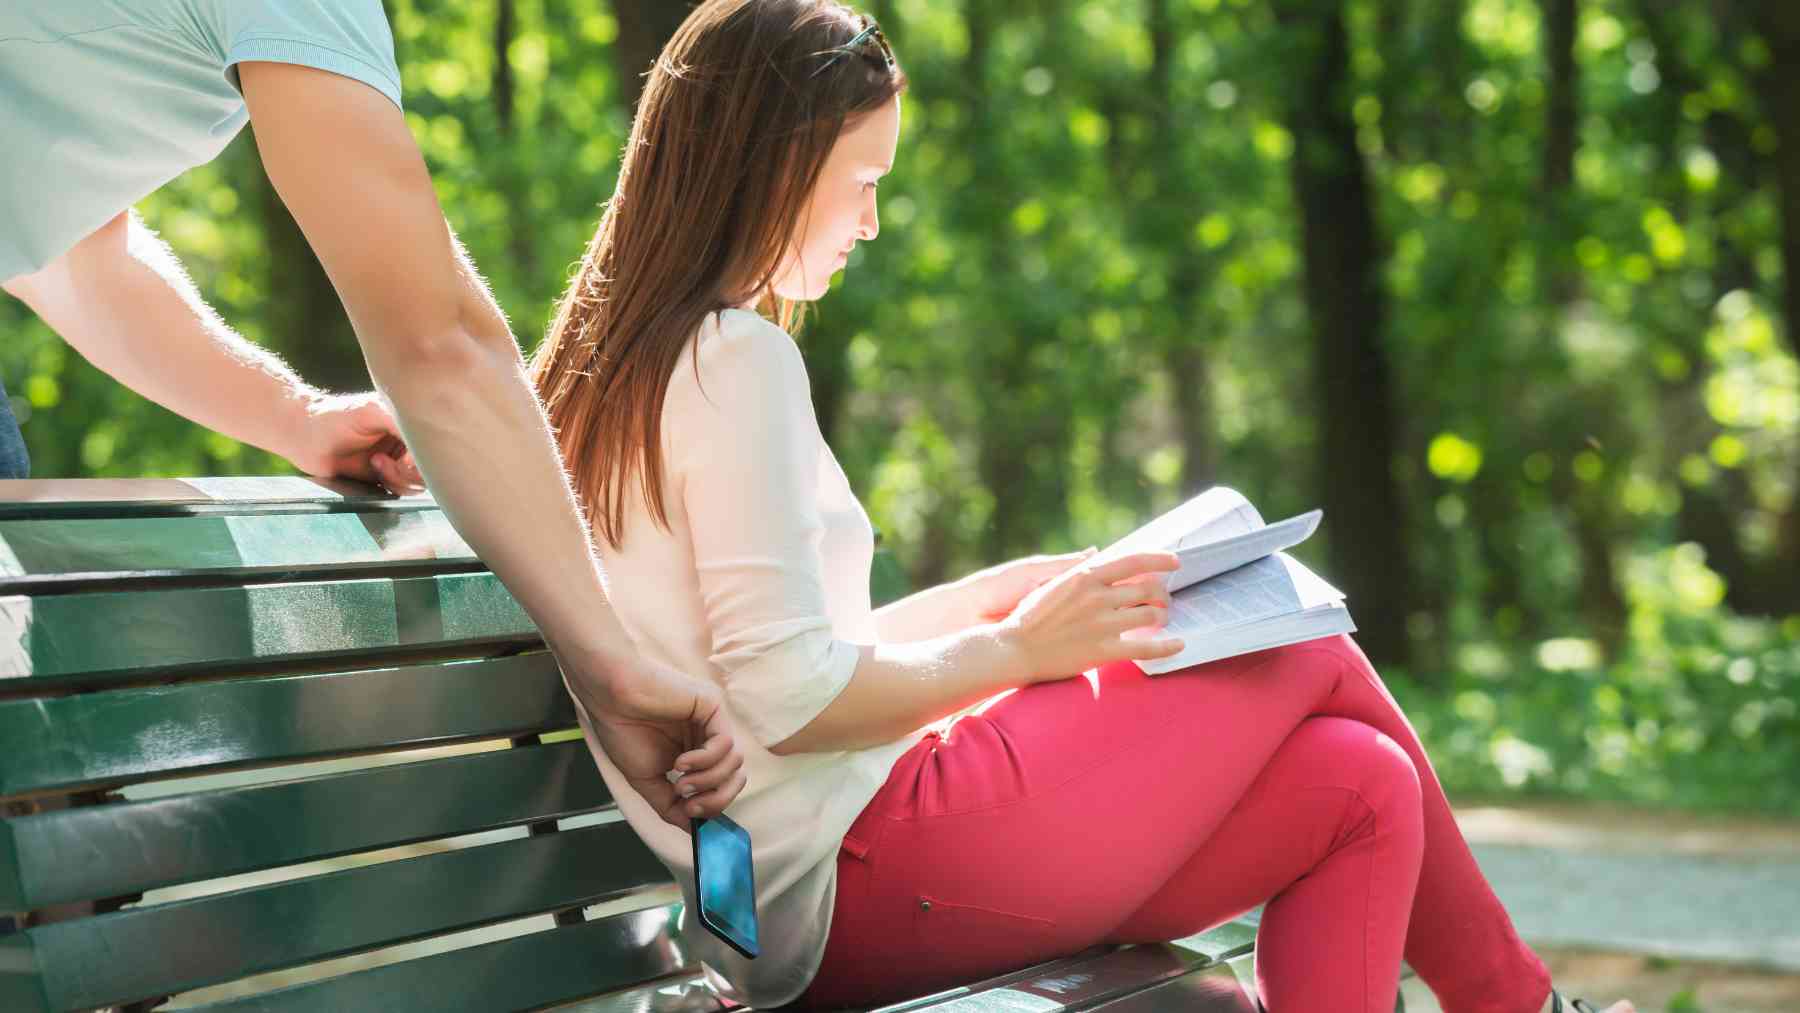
(95, 851)
(1213, 989)
(21, 987)
(122, 736)
(1079, 981)
(134, 954)
(1223, 942)
(521, 973)
(686, 994)
(110, 637)
(223, 546)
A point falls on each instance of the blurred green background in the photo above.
(1507, 286)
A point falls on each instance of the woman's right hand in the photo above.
(1078, 620)
(649, 719)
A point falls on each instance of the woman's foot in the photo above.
(1557, 1004)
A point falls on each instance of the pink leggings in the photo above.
(1120, 808)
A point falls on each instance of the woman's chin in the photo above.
(813, 292)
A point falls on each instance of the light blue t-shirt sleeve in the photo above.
(347, 37)
(104, 101)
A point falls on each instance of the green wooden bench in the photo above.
(274, 744)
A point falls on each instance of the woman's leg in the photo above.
(1036, 828)
(1331, 825)
(1331, 830)
(1460, 941)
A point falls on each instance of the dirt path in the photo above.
(1654, 984)
(1676, 911)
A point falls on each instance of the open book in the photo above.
(1236, 590)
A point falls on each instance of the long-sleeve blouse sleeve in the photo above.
(744, 449)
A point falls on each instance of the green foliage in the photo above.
(1702, 710)
(1089, 298)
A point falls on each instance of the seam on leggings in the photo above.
(1369, 881)
(1110, 757)
(1014, 915)
(1369, 903)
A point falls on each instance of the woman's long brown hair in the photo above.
(735, 123)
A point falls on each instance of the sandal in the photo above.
(1576, 1005)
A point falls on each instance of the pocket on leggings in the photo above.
(855, 871)
(967, 940)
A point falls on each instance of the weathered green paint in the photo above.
(170, 497)
(88, 852)
(1210, 989)
(526, 972)
(121, 736)
(171, 544)
(225, 546)
(137, 953)
(116, 636)
(681, 993)
(13, 895)
(414, 535)
(1223, 942)
(21, 983)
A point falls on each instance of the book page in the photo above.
(1292, 628)
(1271, 586)
(1275, 600)
(1217, 513)
(1201, 562)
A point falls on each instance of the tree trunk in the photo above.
(1561, 110)
(518, 219)
(1347, 307)
(1024, 430)
(1190, 377)
(1778, 85)
(645, 27)
(1000, 459)
(306, 320)
(1184, 355)
(1708, 515)
(1602, 604)
(502, 85)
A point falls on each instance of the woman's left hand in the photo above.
(997, 590)
(355, 436)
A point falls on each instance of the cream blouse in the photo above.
(761, 582)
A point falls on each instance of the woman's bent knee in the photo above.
(1364, 760)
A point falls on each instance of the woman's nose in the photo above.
(871, 221)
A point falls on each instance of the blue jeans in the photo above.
(15, 461)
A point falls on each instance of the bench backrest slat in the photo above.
(122, 736)
(527, 972)
(174, 497)
(110, 637)
(91, 852)
(224, 546)
(126, 955)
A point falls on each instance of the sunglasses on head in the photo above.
(870, 31)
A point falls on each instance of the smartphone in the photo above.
(726, 883)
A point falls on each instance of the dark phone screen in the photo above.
(726, 883)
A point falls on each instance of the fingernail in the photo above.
(695, 810)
